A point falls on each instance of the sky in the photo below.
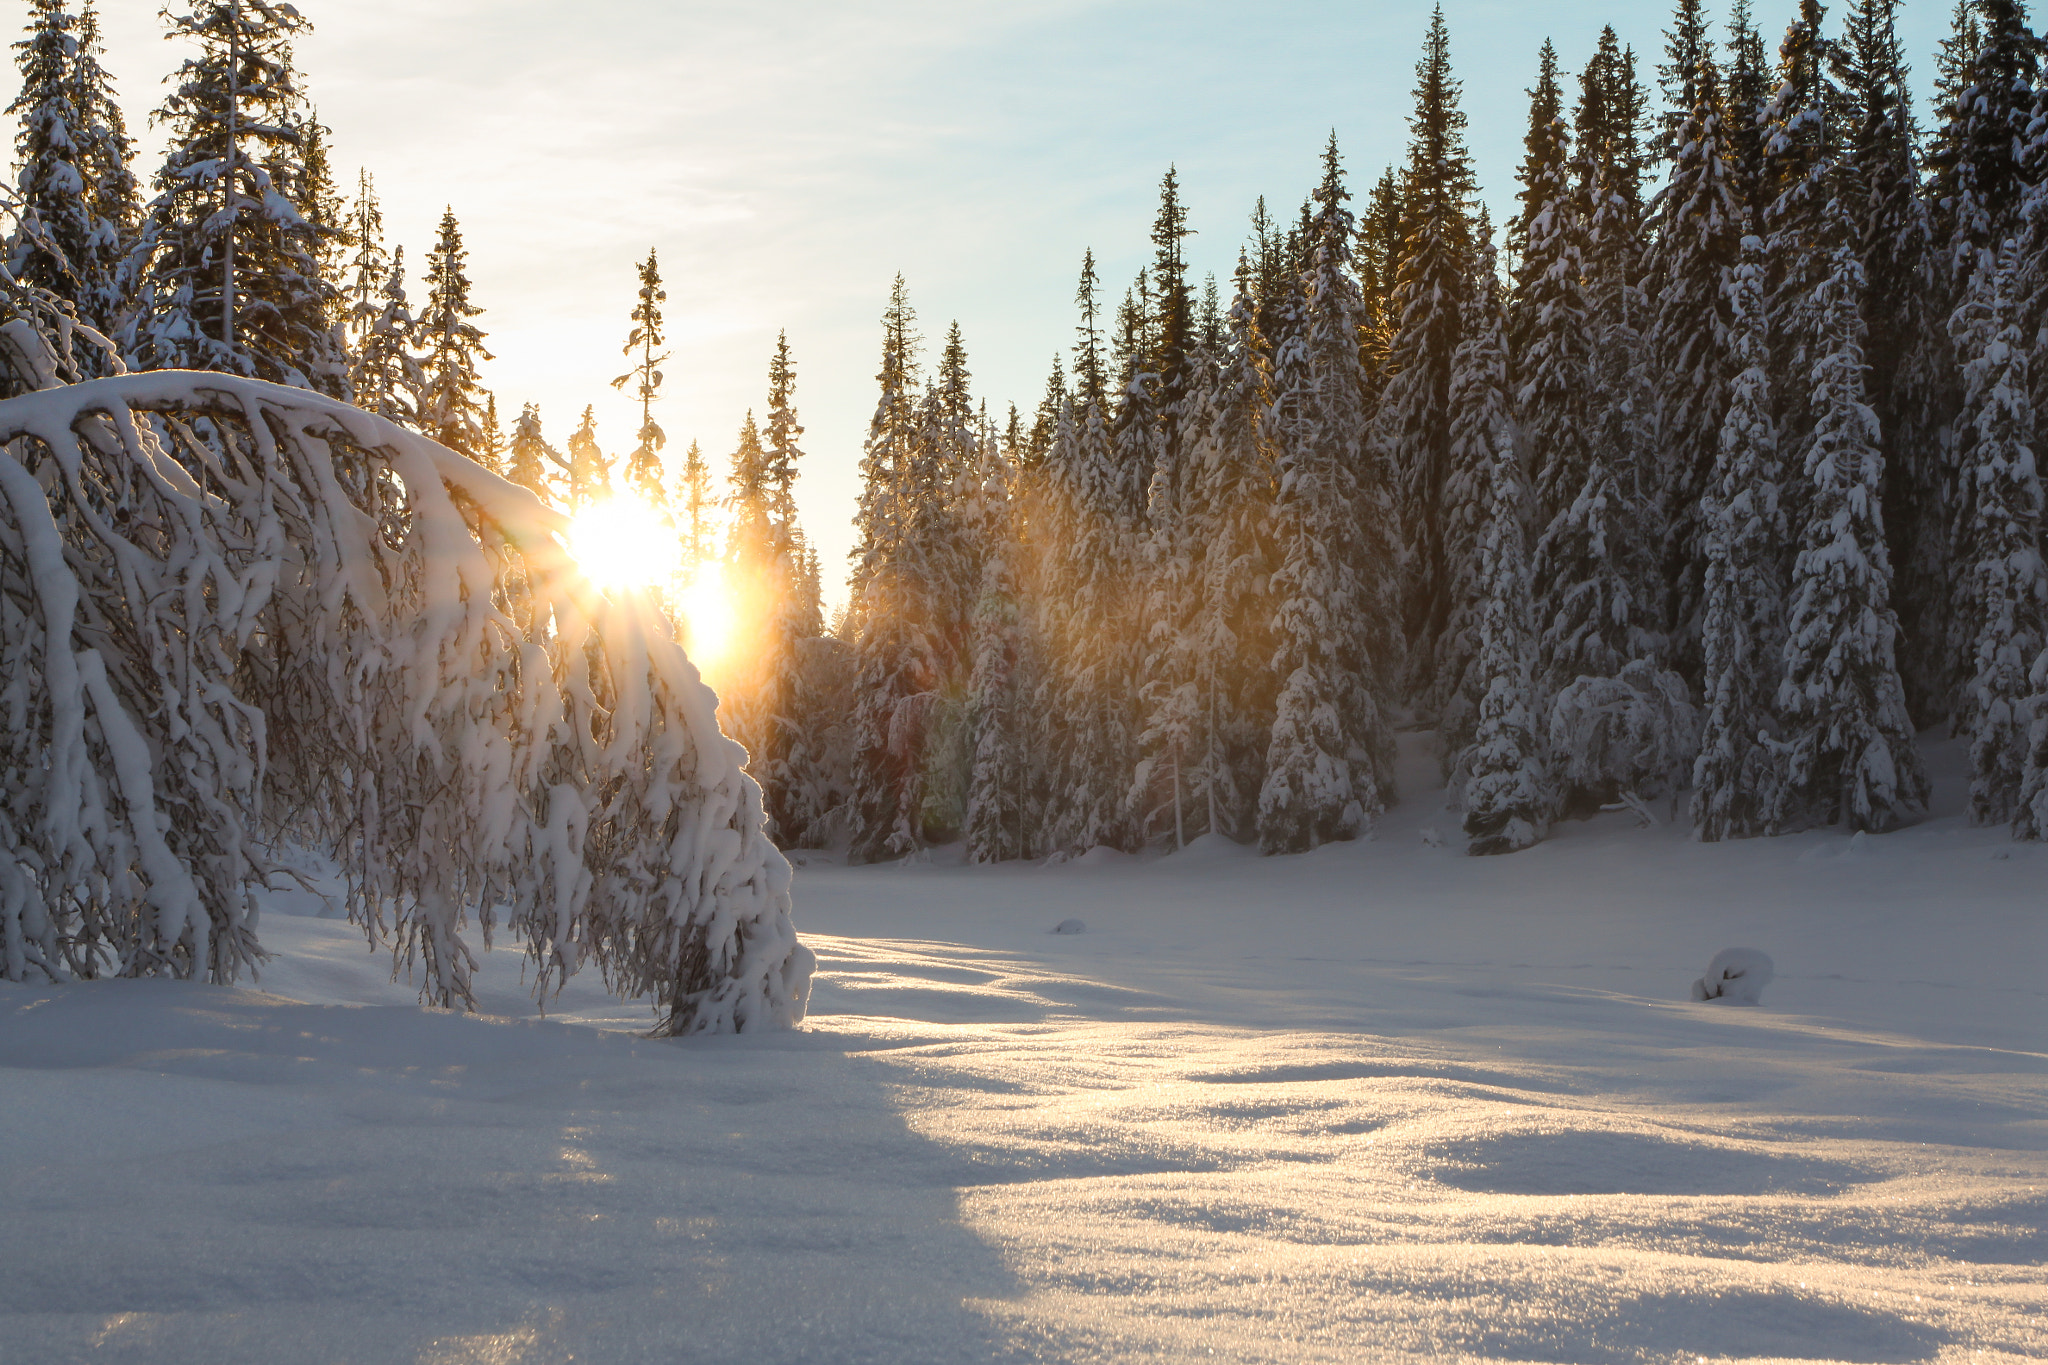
(788, 158)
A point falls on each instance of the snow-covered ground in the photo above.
(1380, 1102)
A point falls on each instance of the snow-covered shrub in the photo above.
(1627, 738)
(1737, 976)
(233, 614)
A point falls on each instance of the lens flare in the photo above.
(706, 609)
(623, 544)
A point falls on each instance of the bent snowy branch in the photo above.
(233, 613)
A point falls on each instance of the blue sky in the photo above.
(788, 159)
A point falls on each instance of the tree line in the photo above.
(1711, 468)
(1715, 472)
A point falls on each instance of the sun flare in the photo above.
(705, 606)
(623, 544)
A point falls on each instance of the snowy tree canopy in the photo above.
(238, 615)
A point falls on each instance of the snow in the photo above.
(1382, 1101)
(1737, 976)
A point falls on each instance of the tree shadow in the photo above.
(218, 1176)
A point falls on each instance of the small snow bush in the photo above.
(1736, 976)
(234, 614)
(1623, 740)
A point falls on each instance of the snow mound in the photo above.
(1211, 848)
(1736, 975)
(1070, 926)
(1102, 855)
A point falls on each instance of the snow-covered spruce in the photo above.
(1742, 630)
(233, 613)
(2001, 587)
(1850, 757)
(1505, 797)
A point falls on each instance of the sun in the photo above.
(623, 544)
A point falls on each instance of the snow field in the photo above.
(1379, 1102)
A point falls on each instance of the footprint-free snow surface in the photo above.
(1379, 1102)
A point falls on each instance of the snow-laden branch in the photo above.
(233, 613)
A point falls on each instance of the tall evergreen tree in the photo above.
(1429, 295)
(1505, 795)
(643, 466)
(311, 186)
(1698, 227)
(1796, 205)
(590, 476)
(1000, 780)
(65, 242)
(590, 480)
(1483, 434)
(1329, 762)
(1977, 160)
(370, 267)
(1229, 514)
(386, 378)
(1849, 743)
(1735, 778)
(900, 658)
(228, 266)
(106, 154)
(1085, 619)
(529, 458)
(1607, 125)
(1688, 56)
(452, 404)
(1544, 176)
(1173, 336)
(2001, 600)
(1892, 232)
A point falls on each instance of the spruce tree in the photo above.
(791, 746)
(1590, 618)
(1544, 179)
(1229, 513)
(1607, 125)
(1892, 232)
(452, 403)
(643, 466)
(1698, 226)
(106, 155)
(1688, 56)
(590, 480)
(1505, 794)
(1430, 283)
(2001, 600)
(1977, 160)
(1172, 340)
(1087, 625)
(999, 784)
(1483, 435)
(1370, 539)
(1848, 741)
(900, 659)
(386, 378)
(1752, 86)
(228, 266)
(66, 242)
(309, 183)
(370, 267)
(1796, 206)
(1735, 778)
(1329, 768)
(530, 461)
